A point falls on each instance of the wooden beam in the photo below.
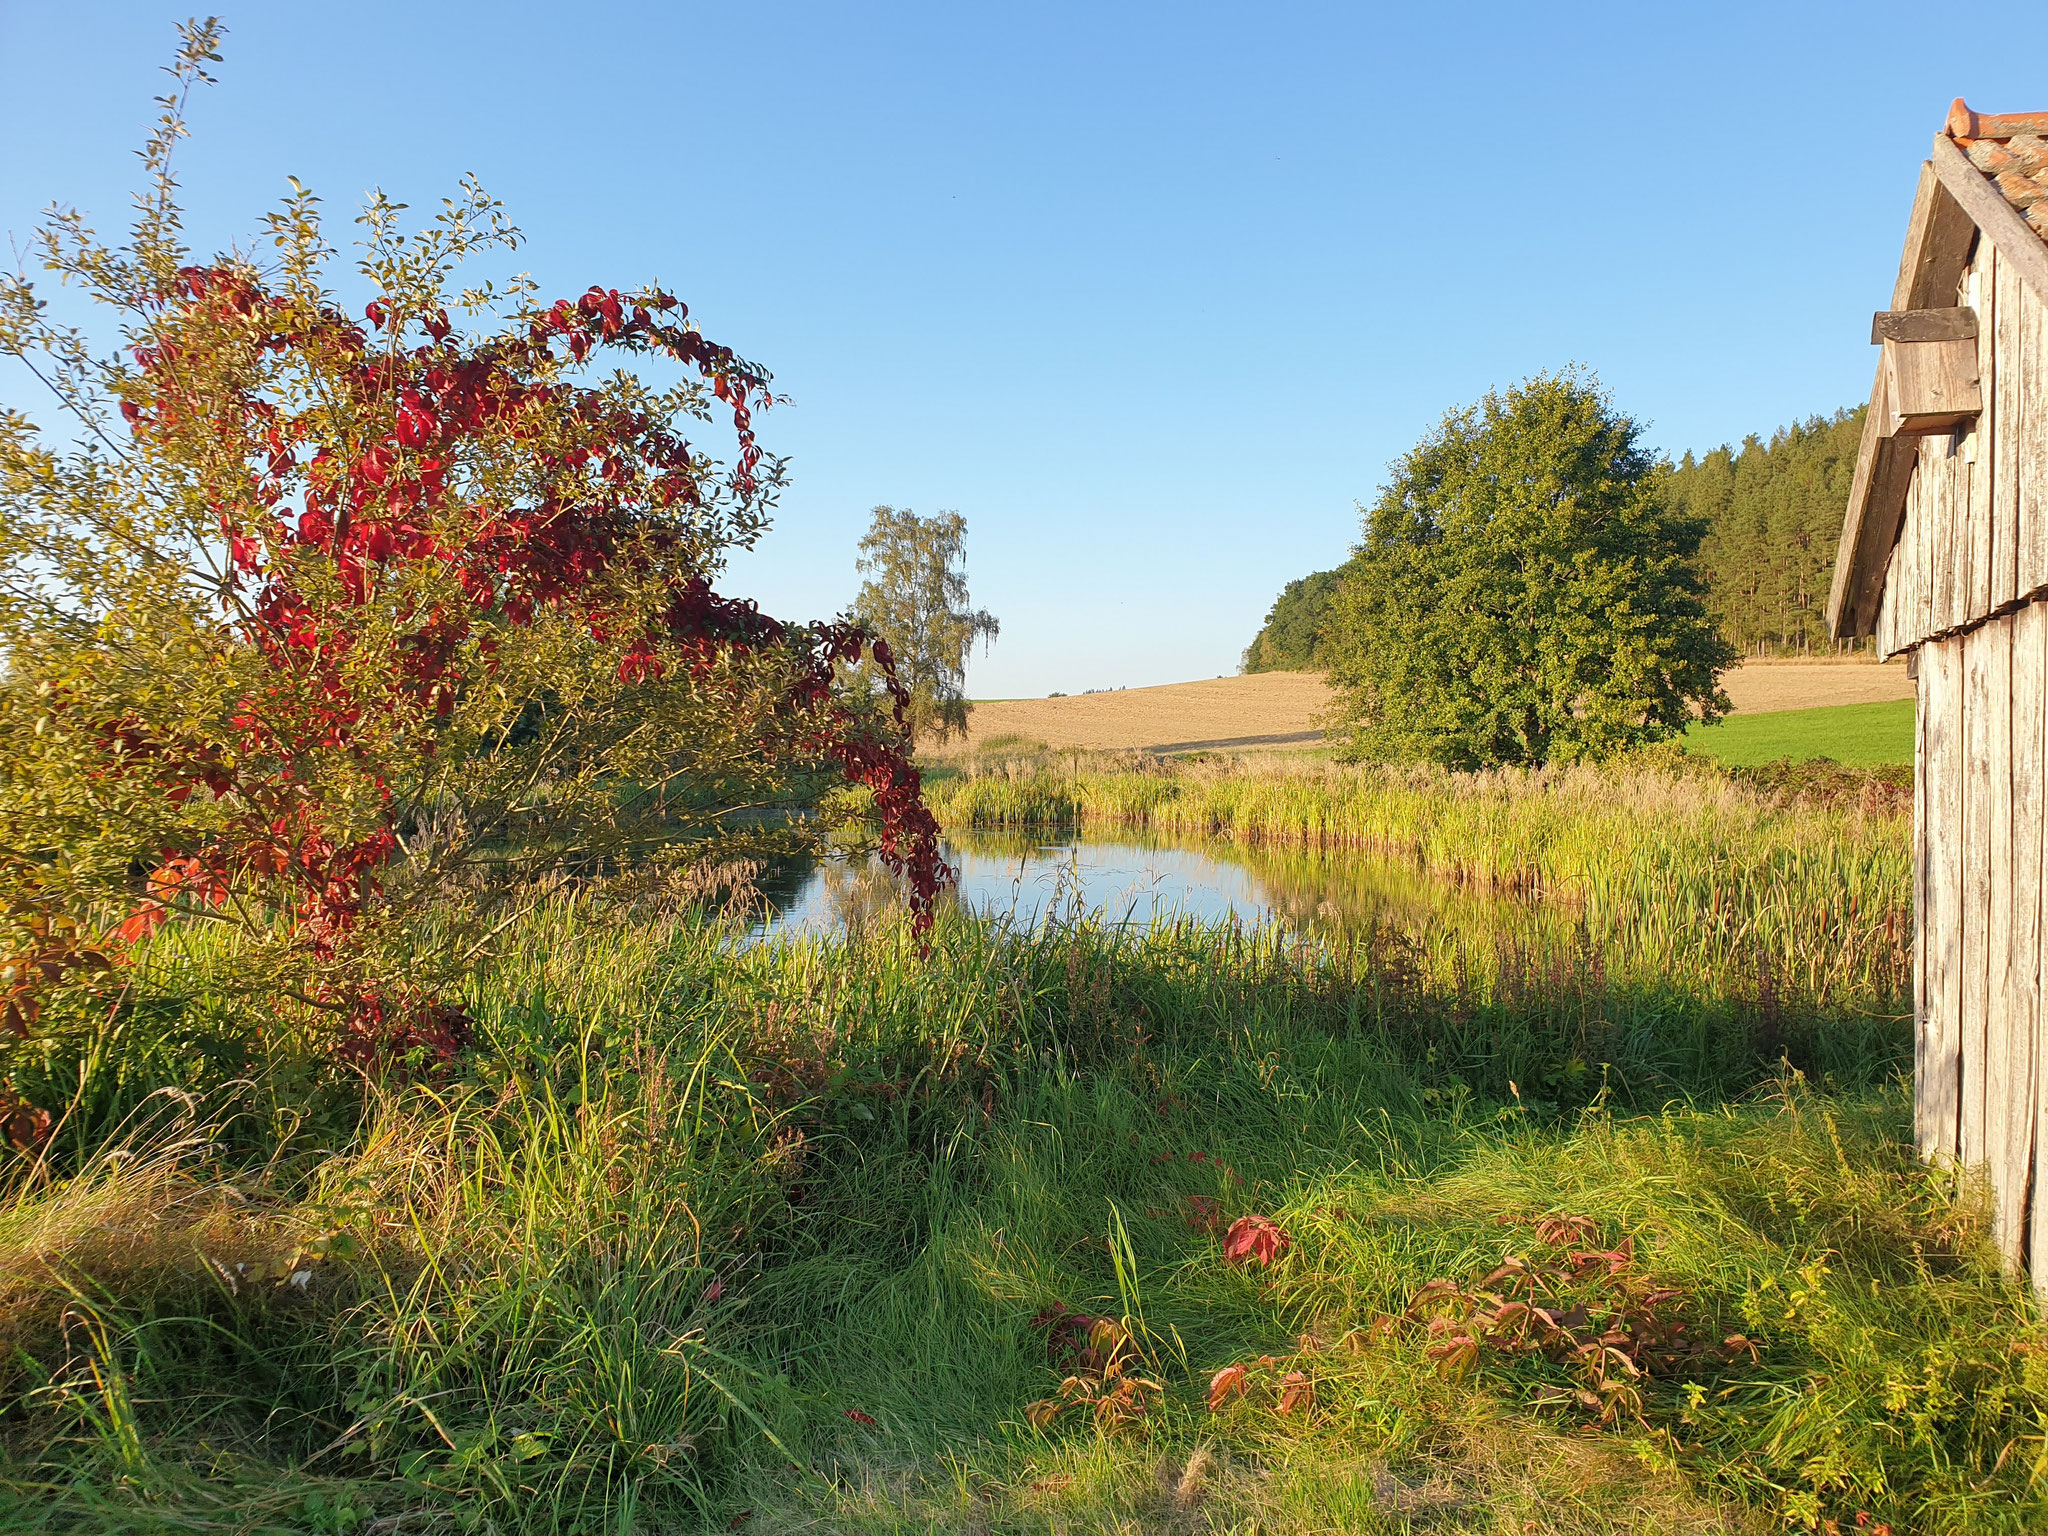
(1938, 1033)
(1877, 506)
(2015, 1075)
(1958, 324)
(1937, 249)
(1991, 213)
(1845, 620)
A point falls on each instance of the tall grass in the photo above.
(1687, 869)
(709, 1236)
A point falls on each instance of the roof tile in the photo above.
(2011, 151)
(2030, 150)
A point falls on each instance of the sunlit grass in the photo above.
(1862, 735)
(708, 1230)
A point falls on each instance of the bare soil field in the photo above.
(1277, 711)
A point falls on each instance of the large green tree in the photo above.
(1525, 593)
(915, 599)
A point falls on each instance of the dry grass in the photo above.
(1277, 711)
(135, 1223)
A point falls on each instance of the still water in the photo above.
(1138, 883)
(1027, 881)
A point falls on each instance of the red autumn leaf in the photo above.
(26, 1126)
(1561, 1231)
(1204, 1213)
(1224, 1385)
(1255, 1240)
(858, 1417)
(141, 923)
(1296, 1391)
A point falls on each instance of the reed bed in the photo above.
(1688, 872)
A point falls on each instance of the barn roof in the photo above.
(1987, 174)
(2010, 149)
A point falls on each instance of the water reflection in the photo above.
(1133, 881)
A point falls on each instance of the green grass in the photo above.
(705, 1232)
(1861, 735)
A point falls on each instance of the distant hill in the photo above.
(1773, 512)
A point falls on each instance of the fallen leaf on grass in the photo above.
(1296, 1391)
(1255, 1239)
(1224, 1385)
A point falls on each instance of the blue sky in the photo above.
(1151, 294)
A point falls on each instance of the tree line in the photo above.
(1772, 513)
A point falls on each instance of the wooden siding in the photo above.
(1980, 847)
(1974, 541)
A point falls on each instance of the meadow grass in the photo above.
(709, 1235)
(1859, 735)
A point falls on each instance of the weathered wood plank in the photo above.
(1991, 213)
(1931, 475)
(1937, 1094)
(2023, 975)
(1984, 486)
(1976, 469)
(1930, 541)
(1925, 1130)
(2035, 648)
(1925, 549)
(1975, 888)
(1883, 634)
(2030, 423)
(1995, 646)
(1951, 485)
(1902, 584)
(1973, 542)
(2008, 394)
(1958, 324)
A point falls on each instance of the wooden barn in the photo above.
(1944, 558)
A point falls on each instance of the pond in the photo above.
(1132, 881)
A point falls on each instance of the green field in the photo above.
(1863, 735)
